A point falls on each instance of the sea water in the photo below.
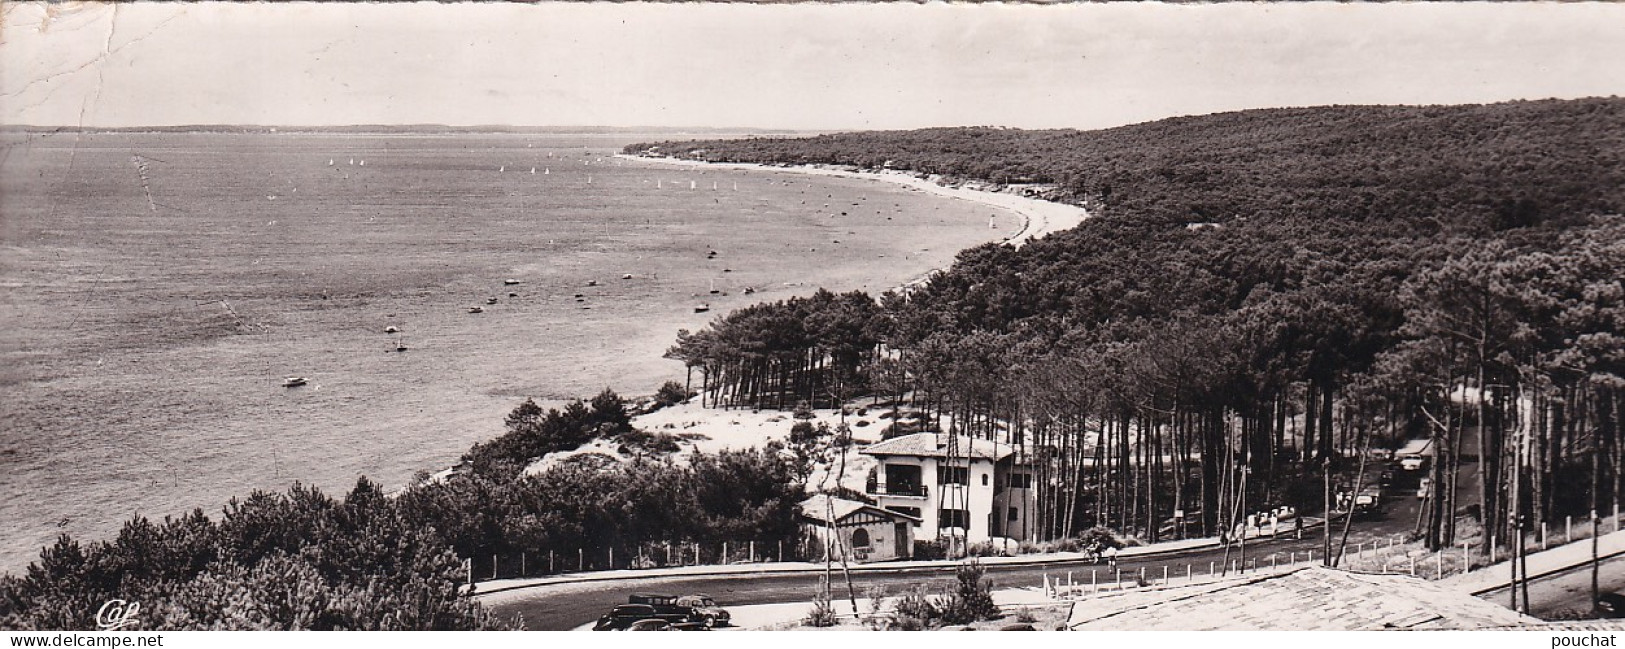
(160, 287)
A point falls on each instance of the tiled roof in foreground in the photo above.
(1307, 599)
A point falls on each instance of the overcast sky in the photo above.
(795, 66)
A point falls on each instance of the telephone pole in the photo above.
(1326, 527)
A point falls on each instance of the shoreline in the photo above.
(1039, 217)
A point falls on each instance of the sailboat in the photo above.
(713, 185)
(329, 162)
(502, 168)
(546, 171)
(589, 180)
(691, 184)
(363, 163)
(532, 171)
(660, 184)
(352, 160)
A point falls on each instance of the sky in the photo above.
(808, 66)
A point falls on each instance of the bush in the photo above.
(972, 598)
(803, 432)
(1100, 538)
(648, 442)
(822, 615)
(926, 550)
(672, 393)
(914, 612)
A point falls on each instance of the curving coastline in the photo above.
(1039, 217)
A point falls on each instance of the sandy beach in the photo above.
(1039, 217)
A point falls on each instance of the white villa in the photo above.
(955, 485)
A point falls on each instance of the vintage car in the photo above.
(622, 617)
(704, 610)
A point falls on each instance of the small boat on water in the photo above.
(702, 308)
(490, 300)
(476, 309)
(294, 381)
(510, 281)
(392, 329)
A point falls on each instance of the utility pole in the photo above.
(1326, 527)
(1242, 548)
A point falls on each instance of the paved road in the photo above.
(569, 606)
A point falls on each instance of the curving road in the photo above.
(568, 606)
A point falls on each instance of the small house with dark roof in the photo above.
(956, 485)
(858, 531)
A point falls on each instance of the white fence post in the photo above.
(1568, 529)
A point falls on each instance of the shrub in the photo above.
(672, 393)
(972, 598)
(821, 615)
(914, 612)
(803, 432)
(648, 442)
(930, 549)
(1101, 538)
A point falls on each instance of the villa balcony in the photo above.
(913, 491)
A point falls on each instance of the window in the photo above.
(984, 479)
(953, 475)
(860, 538)
(1021, 481)
(953, 518)
(1015, 514)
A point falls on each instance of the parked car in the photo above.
(623, 616)
(1612, 605)
(666, 607)
(1368, 502)
(704, 610)
(650, 625)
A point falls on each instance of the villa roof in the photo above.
(936, 445)
(819, 507)
(1307, 599)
